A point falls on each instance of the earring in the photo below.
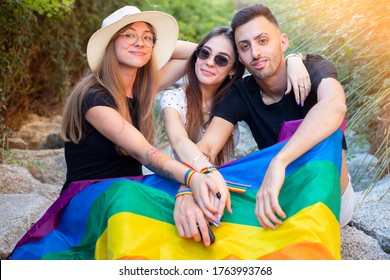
(230, 77)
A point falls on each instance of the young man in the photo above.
(260, 101)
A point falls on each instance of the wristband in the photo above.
(208, 170)
(183, 192)
(188, 176)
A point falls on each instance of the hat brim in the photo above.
(165, 26)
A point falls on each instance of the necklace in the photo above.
(206, 110)
(206, 107)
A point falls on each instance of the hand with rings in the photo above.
(298, 79)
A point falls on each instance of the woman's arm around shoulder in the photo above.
(174, 69)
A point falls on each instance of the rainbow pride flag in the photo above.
(132, 218)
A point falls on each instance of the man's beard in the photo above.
(264, 73)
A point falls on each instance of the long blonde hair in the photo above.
(144, 89)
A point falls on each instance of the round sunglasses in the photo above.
(219, 59)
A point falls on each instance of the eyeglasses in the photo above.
(132, 37)
(219, 59)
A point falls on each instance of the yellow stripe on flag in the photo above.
(131, 236)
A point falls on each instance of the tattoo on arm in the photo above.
(155, 162)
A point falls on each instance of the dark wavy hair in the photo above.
(195, 120)
(250, 12)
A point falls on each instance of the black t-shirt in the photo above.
(244, 103)
(95, 157)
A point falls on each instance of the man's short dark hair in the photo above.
(248, 13)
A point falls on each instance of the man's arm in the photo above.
(321, 121)
(215, 137)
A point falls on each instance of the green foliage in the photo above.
(48, 7)
(43, 43)
(22, 159)
(195, 18)
(42, 54)
(13, 49)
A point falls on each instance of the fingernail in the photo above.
(302, 103)
(216, 223)
(298, 102)
(219, 217)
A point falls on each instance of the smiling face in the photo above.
(208, 72)
(137, 53)
(260, 47)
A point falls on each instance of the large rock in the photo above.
(363, 169)
(18, 180)
(367, 235)
(356, 245)
(47, 166)
(372, 212)
(24, 199)
(18, 212)
(39, 133)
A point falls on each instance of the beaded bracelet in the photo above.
(183, 192)
(207, 170)
(188, 176)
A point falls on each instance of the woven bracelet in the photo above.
(188, 176)
(183, 192)
(207, 170)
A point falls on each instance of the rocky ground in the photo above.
(33, 172)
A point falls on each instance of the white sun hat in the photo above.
(165, 26)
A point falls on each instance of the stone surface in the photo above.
(372, 214)
(18, 212)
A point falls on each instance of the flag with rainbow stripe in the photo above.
(132, 218)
